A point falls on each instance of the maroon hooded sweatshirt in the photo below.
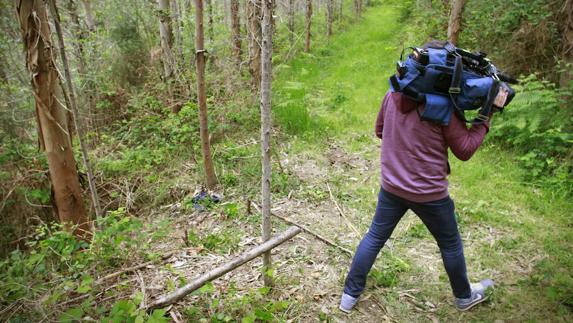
(415, 152)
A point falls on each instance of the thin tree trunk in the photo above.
(291, 21)
(176, 25)
(36, 35)
(358, 8)
(340, 7)
(210, 176)
(90, 21)
(266, 80)
(308, 25)
(236, 32)
(81, 37)
(455, 25)
(74, 108)
(254, 17)
(329, 17)
(166, 37)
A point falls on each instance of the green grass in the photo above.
(516, 232)
(337, 88)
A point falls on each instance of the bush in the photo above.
(538, 125)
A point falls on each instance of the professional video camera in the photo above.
(448, 79)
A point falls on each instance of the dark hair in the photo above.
(435, 44)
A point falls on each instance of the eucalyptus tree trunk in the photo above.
(329, 16)
(308, 25)
(236, 32)
(166, 37)
(266, 79)
(455, 24)
(90, 21)
(74, 108)
(290, 24)
(254, 31)
(36, 36)
(210, 176)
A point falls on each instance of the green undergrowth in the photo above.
(335, 89)
(60, 267)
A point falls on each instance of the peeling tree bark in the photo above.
(254, 31)
(33, 18)
(266, 80)
(210, 176)
(74, 108)
(455, 24)
(308, 25)
(236, 32)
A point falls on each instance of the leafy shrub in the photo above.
(59, 262)
(538, 125)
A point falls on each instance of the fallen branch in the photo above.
(341, 212)
(312, 233)
(223, 269)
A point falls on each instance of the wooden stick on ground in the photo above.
(225, 268)
(312, 233)
(342, 212)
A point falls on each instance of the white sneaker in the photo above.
(347, 302)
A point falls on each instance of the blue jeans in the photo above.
(439, 218)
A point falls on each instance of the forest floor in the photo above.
(513, 232)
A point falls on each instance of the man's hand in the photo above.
(501, 97)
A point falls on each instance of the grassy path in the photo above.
(516, 233)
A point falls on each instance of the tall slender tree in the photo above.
(308, 25)
(358, 8)
(90, 20)
(329, 16)
(236, 32)
(74, 109)
(455, 24)
(166, 38)
(53, 137)
(290, 24)
(567, 43)
(266, 80)
(210, 176)
(176, 27)
(254, 31)
(80, 44)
